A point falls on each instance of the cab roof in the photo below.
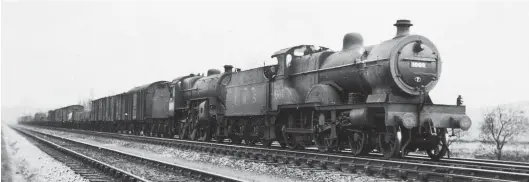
(311, 48)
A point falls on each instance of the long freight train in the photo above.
(363, 98)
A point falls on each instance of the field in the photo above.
(517, 151)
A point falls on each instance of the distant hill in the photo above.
(476, 114)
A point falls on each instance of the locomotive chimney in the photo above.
(227, 68)
(403, 27)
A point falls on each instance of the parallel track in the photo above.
(418, 168)
(483, 160)
(510, 166)
(492, 165)
(89, 168)
(190, 173)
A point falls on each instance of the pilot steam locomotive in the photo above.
(362, 98)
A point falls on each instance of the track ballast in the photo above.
(408, 168)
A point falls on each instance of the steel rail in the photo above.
(509, 167)
(501, 166)
(185, 170)
(384, 168)
(102, 166)
(526, 164)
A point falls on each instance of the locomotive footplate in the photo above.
(423, 143)
(442, 116)
(298, 130)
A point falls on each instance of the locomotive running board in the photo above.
(298, 130)
(318, 106)
(443, 116)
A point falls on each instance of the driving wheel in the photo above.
(389, 142)
(359, 143)
(440, 150)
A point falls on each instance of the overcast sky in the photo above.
(55, 53)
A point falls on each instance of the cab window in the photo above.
(270, 68)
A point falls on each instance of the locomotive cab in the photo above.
(285, 57)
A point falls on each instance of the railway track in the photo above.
(414, 167)
(512, 166)
(481, 160)
(89, 168)
(483, 164)
(507, 166)
(91, 173)
(152, 169)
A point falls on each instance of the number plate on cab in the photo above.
(418, 64)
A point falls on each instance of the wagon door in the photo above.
(149, 102)
(134, 105)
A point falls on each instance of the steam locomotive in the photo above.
(362, 98)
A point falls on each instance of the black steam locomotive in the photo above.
(363, 98)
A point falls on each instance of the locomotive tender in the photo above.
(363, 98)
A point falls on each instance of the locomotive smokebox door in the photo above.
(415, 62)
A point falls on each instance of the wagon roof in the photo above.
(107, 97)
(74, 106)
(180, 78)
(40, 114)
(77, 106)
(143, 87)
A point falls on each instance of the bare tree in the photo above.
(503, 125)
(453, 137)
